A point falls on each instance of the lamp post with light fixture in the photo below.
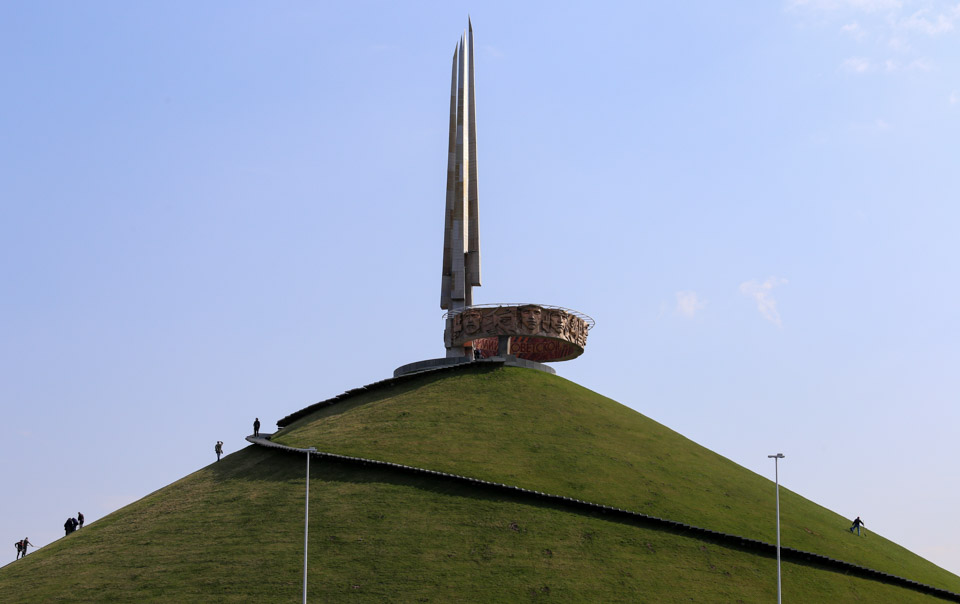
(306, 522)
(776, 473)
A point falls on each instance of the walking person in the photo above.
(80, 519)
(24, 544)
(856, 525)
(218, 449)
(256, 426)
(19, 546)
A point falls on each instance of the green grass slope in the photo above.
(233, 532)
(542, 432)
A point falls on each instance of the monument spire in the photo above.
(461, 234)
(520, 335)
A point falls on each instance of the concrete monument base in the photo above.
(509, 360)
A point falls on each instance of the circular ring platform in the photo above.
(534, 332)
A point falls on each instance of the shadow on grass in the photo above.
(256, 464)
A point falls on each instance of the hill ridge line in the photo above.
(734, 541)
(289, 419)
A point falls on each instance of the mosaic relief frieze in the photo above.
(525, 320)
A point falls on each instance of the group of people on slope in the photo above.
(73, 524)
(69, 526)
(22, 547)
(218, 448)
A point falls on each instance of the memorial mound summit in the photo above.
(485, 478)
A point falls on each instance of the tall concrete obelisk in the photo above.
(519, 335)
(461, 233)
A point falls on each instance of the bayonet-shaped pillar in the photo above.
(461, 233)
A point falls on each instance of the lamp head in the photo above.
(777, 456)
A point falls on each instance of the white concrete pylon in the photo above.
(461, 234)
(461, 239)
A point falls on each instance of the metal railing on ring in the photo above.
(583, 316)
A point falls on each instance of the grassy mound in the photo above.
(233, 532)
(542, 432)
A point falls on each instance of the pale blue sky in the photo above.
(217, 211)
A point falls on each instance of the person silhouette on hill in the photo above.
(19, 546)
(70, 525)
(218, 449)
(80, 519)
(256, 426)
(24, 544)
(856, 525)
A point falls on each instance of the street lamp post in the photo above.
(776, 473)
(306, 522)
